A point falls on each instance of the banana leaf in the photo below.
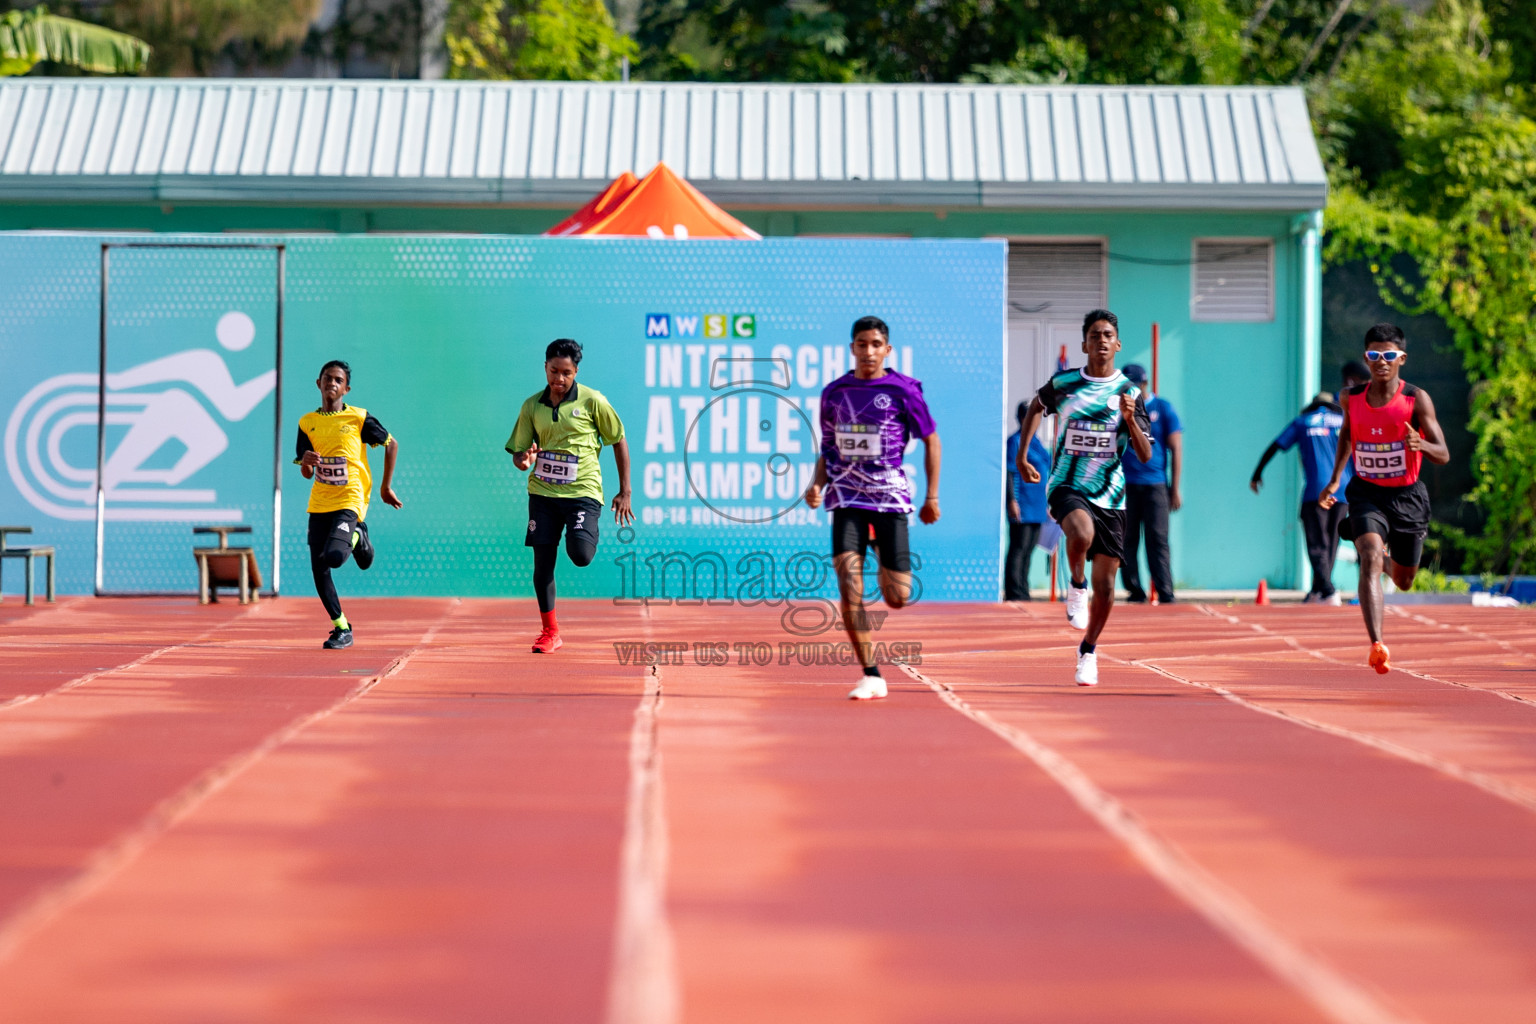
(27, 37)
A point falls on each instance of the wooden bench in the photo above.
(224, 566)
(29, 552)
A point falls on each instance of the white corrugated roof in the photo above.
(260, 140)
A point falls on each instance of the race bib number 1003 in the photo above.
(857, 442)
(332, 469)
(1089, 439)
(556, 467)
(1381, 461)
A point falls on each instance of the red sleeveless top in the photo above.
(1382, 456)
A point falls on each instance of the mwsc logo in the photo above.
(696, 325)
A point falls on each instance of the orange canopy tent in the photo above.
(659, 205)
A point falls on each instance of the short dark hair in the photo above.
(870, 323)
(1021, 411)
(1386, 334)
(564, 348)
(1095, 316)
(342, 365)
(1354, 370)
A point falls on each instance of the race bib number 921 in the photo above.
(556, 467)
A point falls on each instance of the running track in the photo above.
(204, 818)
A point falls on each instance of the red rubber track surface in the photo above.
(204, 817)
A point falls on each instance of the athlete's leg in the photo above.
(321, 526)
(1159, 559)
(1015, 564)
(1104, 568)
(895, 560)
(850, 590)
(1030, 538)
(544, 556)
(1371, 549)
(581, 532)
(1077, 525)
(1332, 523)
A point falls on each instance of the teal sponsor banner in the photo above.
(714, 353)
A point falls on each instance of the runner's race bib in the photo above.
(1089, 439)
(332, 470)
(1381, 461)
(556, 467)
(856, 442)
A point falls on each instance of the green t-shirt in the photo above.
(570, 438)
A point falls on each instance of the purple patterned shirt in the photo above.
(865, 426)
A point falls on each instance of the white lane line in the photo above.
(1476, 634)
(643, 987)
(1517, 795)
(1333, 994)
(1320, 656)
(144, 659)
(116, 855)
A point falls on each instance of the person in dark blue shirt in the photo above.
(1026, 511)
(1151, 493)
(1316, 431)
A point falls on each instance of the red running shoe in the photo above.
(548, 640)
(1381, 658)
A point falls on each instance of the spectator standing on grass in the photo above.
(1026, 511)
(1316, 430)
(1151, 493)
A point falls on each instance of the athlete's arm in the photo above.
(1032, 419)
(1129, 407)
(818, 481)
(622, 513)
(929, 513)
(307, 459)
(1429, 438)
(386, 482)
(1346, 448)
(1176, 461)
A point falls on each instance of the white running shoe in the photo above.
(869, 688)
(1077, 606)
(1333, 600)
(1088, 669)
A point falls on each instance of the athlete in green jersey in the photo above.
(559, 433)
(1099, 412)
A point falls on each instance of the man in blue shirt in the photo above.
(1026, 511)
(1316, 430)
(1151, 492)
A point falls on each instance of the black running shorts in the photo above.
(1398, 515)
(548, 516)
(850, 532)
(1108, 523)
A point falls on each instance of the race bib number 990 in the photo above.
(332, 469)
(555, 467)
(1089, 439)
(857, 442)
(1381, 461)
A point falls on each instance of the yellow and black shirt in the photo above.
(342, 480)
(570, 435)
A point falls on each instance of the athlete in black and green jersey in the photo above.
(1099, 412)
(559, 433)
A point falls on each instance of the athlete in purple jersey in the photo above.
(867, 417)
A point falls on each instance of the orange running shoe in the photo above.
(1381, 658)
(548, 640)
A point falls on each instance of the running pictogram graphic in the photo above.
(159, 404)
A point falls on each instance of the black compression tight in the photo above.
(580, 550)
(329, 548)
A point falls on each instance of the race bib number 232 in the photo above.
(1090, 439)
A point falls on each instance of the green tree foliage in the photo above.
(189, 36)
(28, 38)
(1433, 150)
(568, 40)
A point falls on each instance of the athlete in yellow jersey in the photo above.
(333, 452)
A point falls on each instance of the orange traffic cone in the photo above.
(1262, 597)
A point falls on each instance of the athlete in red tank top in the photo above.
(1389, 429)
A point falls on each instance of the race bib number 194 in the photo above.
(555, 467)
(857, 442)
(1090, 439)
(1381, 461)
(332, 469)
